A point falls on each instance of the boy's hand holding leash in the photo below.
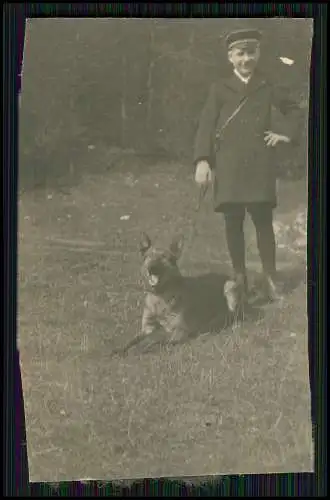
(203, 177)
(203, 174)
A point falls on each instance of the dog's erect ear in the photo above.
(176, 247)
(145, 243)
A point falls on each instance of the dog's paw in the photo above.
(178, 336)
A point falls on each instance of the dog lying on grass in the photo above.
(178, 307)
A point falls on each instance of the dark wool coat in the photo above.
(243, 166)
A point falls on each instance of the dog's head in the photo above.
(159, 268)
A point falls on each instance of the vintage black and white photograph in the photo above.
(162, 296)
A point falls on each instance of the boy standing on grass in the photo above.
(233, 149)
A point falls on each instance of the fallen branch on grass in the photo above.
(80, 243)
(49, 248)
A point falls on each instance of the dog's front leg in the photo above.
(175, 327)
(149, 323)
(151, 332)
(147, 329)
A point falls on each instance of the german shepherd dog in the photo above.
(177, 307)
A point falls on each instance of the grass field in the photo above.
(235, 402)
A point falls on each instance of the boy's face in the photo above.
(244, 59)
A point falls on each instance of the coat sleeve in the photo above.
(291, 110)
(204, 147)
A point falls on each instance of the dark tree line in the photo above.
(137, 84)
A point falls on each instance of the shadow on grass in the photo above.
(289, 280)
(206, 308)
(293, 277)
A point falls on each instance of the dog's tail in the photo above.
(139, 339)
(144, 342)
(122, 351)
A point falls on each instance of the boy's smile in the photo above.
(244, 58)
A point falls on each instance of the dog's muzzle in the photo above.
(153, 280)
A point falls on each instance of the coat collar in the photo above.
(256, 81)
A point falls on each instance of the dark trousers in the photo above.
(262, 217)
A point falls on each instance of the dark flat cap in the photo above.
(243, 37)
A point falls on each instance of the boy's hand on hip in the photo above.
(203, 173)
(272, 139)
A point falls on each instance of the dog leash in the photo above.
(201, 195)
